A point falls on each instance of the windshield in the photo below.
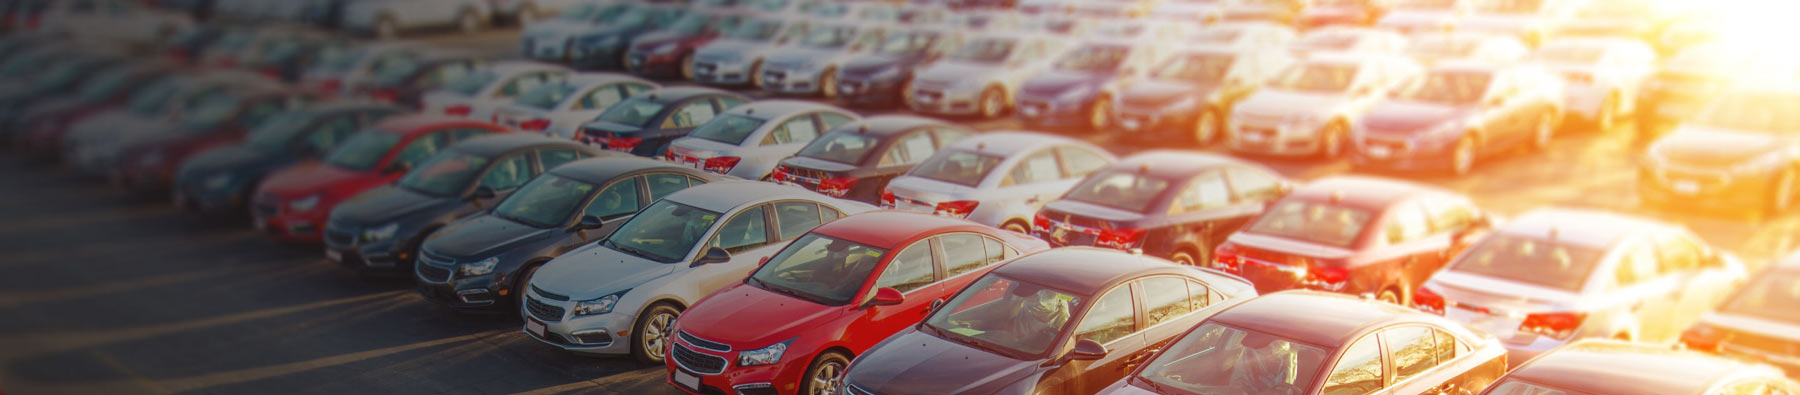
(1201, 68)
(841, 147)
(1312, 222)
(151, 98)
(754, 30)
(1424, 4)
(275, 133)
(1317, 77)
(986, 50)
(1531, 261)
(1771, 296)
(472, 83)
(1005, 315)
(1762, 111)
(663, 232)
(906, 43)
(829, 36)
(1575, 54)
(1509, 6)
(396, 70)
(728, 129)
(547, 96)
(957, 167)
(1093, 58)
(819, 269)
(445, 174)
(1124, 190)
(104, 85)
(1218, 359)
(1448, 87)
(632, 112)
(544, 202)
(364, 150)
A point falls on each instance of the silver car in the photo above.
(980, 76)
(999, 178)
(478, 93)
(621, 295)
(810, 65)
(1242, 35)
(560, 107)
(747, 141)
(1432, 48)
(1602, 75)
(1309, 108)
(1553, 276)
(388, 18)
(736, 57)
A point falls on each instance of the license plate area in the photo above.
(686, 380)
(535, 328)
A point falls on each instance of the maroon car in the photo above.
(150, 161)
(669, 52)
(1353, 235)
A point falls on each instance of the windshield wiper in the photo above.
(629, 250)
(796, 294)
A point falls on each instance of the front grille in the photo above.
(433, 274)
(543, 311)
(857, 390)
(339, 236)
(696, 361)
(550, 295)
(267, 209)
(708, 345)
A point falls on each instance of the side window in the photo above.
(947, 136)
(507, 173)
(618, 200)
(1081, 162)
(963, 252)
(796, 218)
(1165, 298)
(1198, 295)
(1638, 264)
(421, 148)
(996, 251)
(1111, 318)
(465, 134)
(729, 102)
(910, 149)
(696, 181)
(326, 136)
(522, 84)
(1406, 223)
(1446, 346)
(1254, 185)
(1413, 350)
(745, 231)
(1206, 192)
(551, 158)
(1677, 253)
(601, 98)
(1039, 167)
(691, 115)
(663, 184)
(828, 214)
(1359, 371)
(832, 119)
(910, 269)
(797, 130)
(1449, 215)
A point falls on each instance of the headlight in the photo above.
(665, 49)
(216, 181)
(764, 356)
(304, 204)
(486, 266)
(886, 74)
(602, 305)
(384, 232)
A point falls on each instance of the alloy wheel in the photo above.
(825, 380)
(655, 335)
(991, 103)
(1206, 128)
(1463, 158)
(1101, 113)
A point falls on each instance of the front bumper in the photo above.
(1400, 154)
(865, 92)
(1702, 190)
(604, 57)
(345, 246)
(944, 100)
(1147, 122)
(732, 379)
(722, 73)
(1037, 111)
(439, 281)
(790, 81)
(193, 196)
(278, 222)
(1273, 138)
(598, 334)
(551, 49)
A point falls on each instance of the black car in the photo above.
(570, 206)
(605, 46)
(406, 81)
(381, 229)
(1173, 204)
(879, 77)
(645, 124)
(856, 160)
(219, 181)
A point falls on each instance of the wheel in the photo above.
(1388, 295)
(650, 337)
(687, 67)
(1100, 113)
(756, 77)
(527, 15)
(1331, 140)
(1544, 132)
(993, 102)
(822, 377)
(1016, 227)
(468, 22)
(386, 28)
(1462, 157)
(828, 83)
(1206, 127)
(1609, 113)
(1781, 193)
(523, 283)
(1192, 258)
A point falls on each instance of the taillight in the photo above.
(1226, 258)
(1427, 301)
(1326, 278)
(957, 208)
(780, 173)
(1701, 337)
(837, 187)
(330, 85)
(1123, 239)
(722, 164)
(887, 199)
(669, 156)
(271, 72)
(461, 110)
(535, 125)
(1040, 223)
(622, 144)
(1560, 326)
(385, 95)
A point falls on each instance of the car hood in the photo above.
(914, 362)
(1713, 148)
(951, 72)
(1095, 211)
(817, 164)
(1055, 82)
(797, 56)
(483, 235)
(1406, 119)
(385, 204)
(727, 316)
(309, 177)
(594, 271)
(651, 40)
(1288, 103)
(1160, 92)
(230, 158)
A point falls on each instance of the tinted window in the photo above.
(1446, 346)
(1358, 371)
(619, 199)
(728, 129)
(551, 158)
(1197, 295)
(1165, 298)
(1081, 161)
(840, 147)
(544, 202)
(910, 269)
(1413, 350)
(1039, 167)
(508, 173)
(1124, 190)
(828, 214)
(1407, 223)
(910, 149)
(1253, 184)
(825, 270)
(963, 252)
(996, 251)
(1218, 359)
(745, 231)
(796, 218)
(1111, 318)
(325, 137)
(420, 149)
(665, 184)
(691, 115)
(1530, 260)
(1205, 193)
(798, 130)
(959, 167)
(1313, 222)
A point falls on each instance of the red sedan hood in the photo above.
(312, 177)
(749, 318)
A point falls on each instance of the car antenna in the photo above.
(748, 110)
(864, 129)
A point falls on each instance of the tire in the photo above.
(1100, 113)
(467, 22)
(386, 28)
(756, 78)
(1207, 127)
(822, 376)
(687, 66)
(1190, 257)
(1331, 140)
(828, 83)
(993, 102)
(648, 347)
(1544, 131)
(1462, 156)
(1781, 193)
(523, 283)
(1016, 227)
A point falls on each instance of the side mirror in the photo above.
(482, 192)
(937, 304)
(713, 255)
(886, 296)
(762, 262)
(1087, 350)
(589, 222)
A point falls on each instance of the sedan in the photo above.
(1593, 367)
(1310, 108)
(220, 181)
(1757, 322)
(549, 40)
(1601, 76)
(1457, 113)
(606, 45)
(1258, 35)
(558, 108)
(1000, 179)
(1064, 321)
(1188, 95)
(1360, 236)
(1432, 48)
(1079, 87)
(833, 293)
(148, 160)
(981, 76)
(336, 71)
(1414, 17)
(645, 124)
(622, 296)
(480, 262)
(1305, 342)
(1553, 276)
(748, 140)
(669, 52)
(856, 160)
(481, 91)
(406, 81)
(736, 57)
(387, 19)
(1740, 154)
(94, 144)
(38, 129)
(809, 65)
(883, 75)
(1172, 204)
(1530, 20)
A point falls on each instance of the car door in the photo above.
(749, 236)
(687, 116)
(613, 205)
(914, 271)
(504, 176)
(1640, 290)
(1704, 279)
(1113, 321)
(1412, 246)
(1031, 182)
(1418, 363)
(1358, 370)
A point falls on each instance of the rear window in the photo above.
(729, 129)
(957, 167)
(547, 96)
(1530, 260)
(1121, 190)
(1313, 222)
(846, 148)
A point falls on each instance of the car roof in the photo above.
(1174, 163)
(1323, 319)
(886, 229)
(334, 107)
(1591, 366)
(680, 93)
(593, 79)
(1085, 270)
(888, 125)
(500, 143)
(1590, 228)
(415, 123)
(603, 169)
(521, 66)
(1364, 192)
(723, 196)
(1008, 143)
(1344, 58)
(769, 109)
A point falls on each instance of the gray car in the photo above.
(736, 57)
(747, 141)
(1000, 179)
(981, 76)
(810, 64)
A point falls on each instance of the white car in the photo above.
(1156, 30)
(1341, 39)
(1424, 16)
(560, 107)
(980, 76)
(337, 70)
(753, 138)
(1529, 20)
(1000, 179)
(622, 294)
(1602, 75)
(478, 93)
(1193, 11)
(111, 20)
(1242, 35)
(809, 65)
(1309, 108)
(736, 57)
(1553, 276)
(1429, 48)
(550, 39)
(386, 19)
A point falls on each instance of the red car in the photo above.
(149, 164)
(1353, 235)
(796, 322)
(292, 204)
